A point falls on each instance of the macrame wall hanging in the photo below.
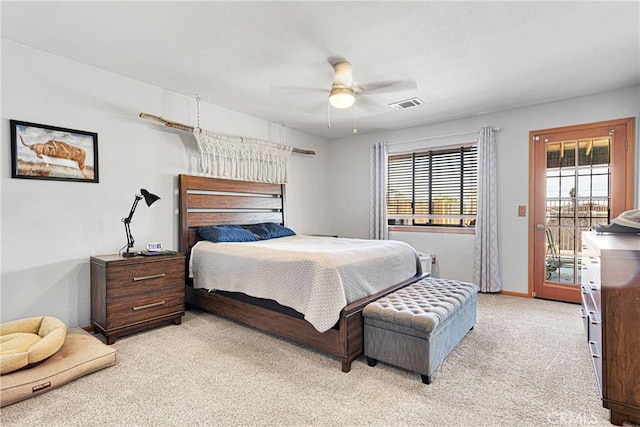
(237, 157)
(241, 158)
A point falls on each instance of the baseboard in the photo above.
(516, 294)
(88, 328)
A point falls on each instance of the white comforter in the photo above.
(316, 276)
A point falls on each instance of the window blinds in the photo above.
(437, 187)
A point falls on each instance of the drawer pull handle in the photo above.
(592, 350)
(155, 276)
(142, 307)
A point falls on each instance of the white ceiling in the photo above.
(271, 59)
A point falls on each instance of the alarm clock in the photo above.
(154, 246)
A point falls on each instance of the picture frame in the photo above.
(53, 153)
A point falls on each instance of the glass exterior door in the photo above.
(581, 176)
(577, 198)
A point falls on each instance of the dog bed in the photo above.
(28, 341)
(81, 354)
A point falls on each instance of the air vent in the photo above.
(407, 103)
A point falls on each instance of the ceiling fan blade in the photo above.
(292, 90)
(370, 105)
(316, 107)
(388, 86)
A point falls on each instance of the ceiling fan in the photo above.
(344, 91)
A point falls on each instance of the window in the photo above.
(433, 188)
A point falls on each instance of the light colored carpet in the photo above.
(526, 363)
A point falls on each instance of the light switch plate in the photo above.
(522, 210)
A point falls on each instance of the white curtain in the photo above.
(486, 270)
(378, 192)
(247, 159)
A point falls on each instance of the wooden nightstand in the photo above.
(132, 294)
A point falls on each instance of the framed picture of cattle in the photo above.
(51, 152)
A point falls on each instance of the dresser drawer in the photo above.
(591, 270)
(128, 311)
(594, 324)
(595, 348)
(151, 277)
(590, 265)
(584, 311)
(590, 281)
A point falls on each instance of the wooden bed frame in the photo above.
(211, 201)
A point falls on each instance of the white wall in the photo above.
(349, 174)
(49, 229)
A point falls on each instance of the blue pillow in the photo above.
(269, 230)
(226, 233)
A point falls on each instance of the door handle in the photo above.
(540, 227)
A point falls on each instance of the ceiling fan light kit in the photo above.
(341, 97)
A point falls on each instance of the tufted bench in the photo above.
(417, 326)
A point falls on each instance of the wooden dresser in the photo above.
(132, 294)
(611, 312)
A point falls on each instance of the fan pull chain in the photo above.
(328, 115)
(355, 115)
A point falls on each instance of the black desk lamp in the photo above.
(151, 200)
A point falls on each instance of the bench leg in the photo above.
(426, 378)
(371, 361)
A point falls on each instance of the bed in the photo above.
(207, 201)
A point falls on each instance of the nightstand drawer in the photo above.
(155, 277)
(128, 311)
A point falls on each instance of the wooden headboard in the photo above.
(214, 201)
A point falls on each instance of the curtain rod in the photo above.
(187, 128)
(497, 129)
